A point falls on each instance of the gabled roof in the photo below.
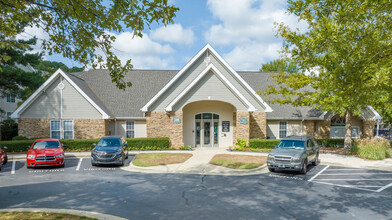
(91, 97)
(212, 68)
(189, 64)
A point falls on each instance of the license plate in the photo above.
(281, 166)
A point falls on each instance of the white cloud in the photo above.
(247, 27)
(144, 52)
(174, 33)
(30, 32)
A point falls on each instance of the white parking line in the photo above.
(347, 186)
(355, 179)
(346, 169)
(310, 180)
(80, 162)
(381, 189)
(13, 167)
(348, 174)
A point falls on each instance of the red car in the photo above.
(3, 157)
(45, 152)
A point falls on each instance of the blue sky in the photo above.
(241, 31)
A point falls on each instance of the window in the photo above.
(64, 130)
(68, 129)
(339, 132)
(282, 129)
(9, 115)
(130, 129)
(10, 98)
(55, 129)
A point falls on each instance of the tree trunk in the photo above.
(347, 136)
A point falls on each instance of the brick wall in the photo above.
(367, 129)
(83, 128)
(324, 129)
(160, 124)
(309, 128)
(258, 125)
(242, 130)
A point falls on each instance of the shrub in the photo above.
(263, 143)
(18, 138)
(241, 142)
(159, 143)
(329, 142)
(373, 149)
(9, 129)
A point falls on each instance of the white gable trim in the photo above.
(48, 82)
(376, 115)
(179, 74)
(252, 91)
(251, 108)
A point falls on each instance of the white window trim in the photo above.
(9, 97)
(63, 130)
(126, 129)
(359, 132)
(287, 128)
(54, 130)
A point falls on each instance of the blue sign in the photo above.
(243, 121)
(176, 120)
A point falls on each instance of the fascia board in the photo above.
(251, 108)
(30, 100)
(175, 78)
(253, 92)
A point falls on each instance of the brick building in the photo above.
(206, 104)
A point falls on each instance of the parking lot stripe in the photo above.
(347, 174)
(80, 162)
(348, 186)
(354, 179)
(310, 180)
(13, 167)
(381, 189)
(345, 169)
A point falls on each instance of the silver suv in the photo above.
(294, 153)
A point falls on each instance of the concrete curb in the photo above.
(67, 211)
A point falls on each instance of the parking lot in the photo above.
(72, 165)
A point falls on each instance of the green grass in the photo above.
(40, 215)
(238, 161)
(156, 159)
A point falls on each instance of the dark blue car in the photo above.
(109, 150)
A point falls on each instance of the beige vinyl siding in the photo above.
(210, 87)
(236, 83)
(140, 128)
(293, 128)
(48, 104)
(75, 105)
(189, 75)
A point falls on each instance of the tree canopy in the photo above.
(345, 56)
(279, 65)
(80, 29)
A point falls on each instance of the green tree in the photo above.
(279, 65)
(344, 56)
(50, 67)
(79, 29)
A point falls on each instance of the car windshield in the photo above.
(109, 142)
(46, 145)
(293, 144)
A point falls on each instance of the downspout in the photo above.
(378, 126)
(301, 126)
(115, 126)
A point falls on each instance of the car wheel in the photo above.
(316, 161)
(304, 167)
(5, 160)
(126, 156)
(28, 167)
(122, 161)
(62, 165)
(271, 169)
(93, 164)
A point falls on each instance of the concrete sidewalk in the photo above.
(199, 162)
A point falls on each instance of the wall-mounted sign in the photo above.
(243, 121)
(225, 126)
(176, 120)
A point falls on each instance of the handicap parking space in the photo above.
(362, 179)
(72, 165)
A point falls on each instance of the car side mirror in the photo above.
(5, 147)
(64, 146)
(28, 147)
(274, 146)
(94, 144)
(126, 145)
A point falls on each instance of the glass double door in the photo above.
(206, 130)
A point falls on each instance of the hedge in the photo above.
(331, 142)
(87, 144)
(263, 143)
